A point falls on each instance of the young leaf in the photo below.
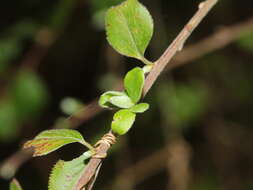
(14, 185)
(134, 82)
(139, 108)
(104, 100)
(129, 28)
(122, 121)
(114, 99)
(51, 140)
(122, 101)
(65, 175)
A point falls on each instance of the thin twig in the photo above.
(221, 38)
(176, 45)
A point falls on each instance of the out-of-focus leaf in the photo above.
(66, 174)
(182, 104)
(8, 120)
(207, 182)
(246, 41)
(134, 82)
(29, 94)
(9, 49)
(11, 41)
(129, 28)
(70, 105)
(51, 140)
(14, 185)
(23, 29)
(122, 121)
(139, 108)
(62, 123)
(108, 81)
(61, 14)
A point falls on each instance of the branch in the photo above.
(221, 38)
(176, 45)
(218, 40)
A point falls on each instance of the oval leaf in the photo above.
(122, 101)
(134, 82)
(139, 108)
(112, 99)
(65, 175)
(104, 100)
(14, 185)
(129, 28)
(122, 121)
(51, 140)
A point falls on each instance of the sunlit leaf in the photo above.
(139, 108)
(134, 82)
(122, 121)
(14, 185)
(66, 174)
(129, 28)
(51, 140)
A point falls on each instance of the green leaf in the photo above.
(122, 101)
(104, 100)
(246, 41)
(134, 82)
(112, 99)
(8, 120)
(51, 140)
(129, 28)
(66, 174)
(122, 121)
(29, 94)
(14, 185)
(183, 104)
(70, 105)
(139, 108)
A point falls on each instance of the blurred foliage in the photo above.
(11, 42)
(29, 94)
(182, 104)
(25, 99)
(71, 105)
(61, 14)
(8, 120)
(246, 41)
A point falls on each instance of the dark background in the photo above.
(54, 59)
